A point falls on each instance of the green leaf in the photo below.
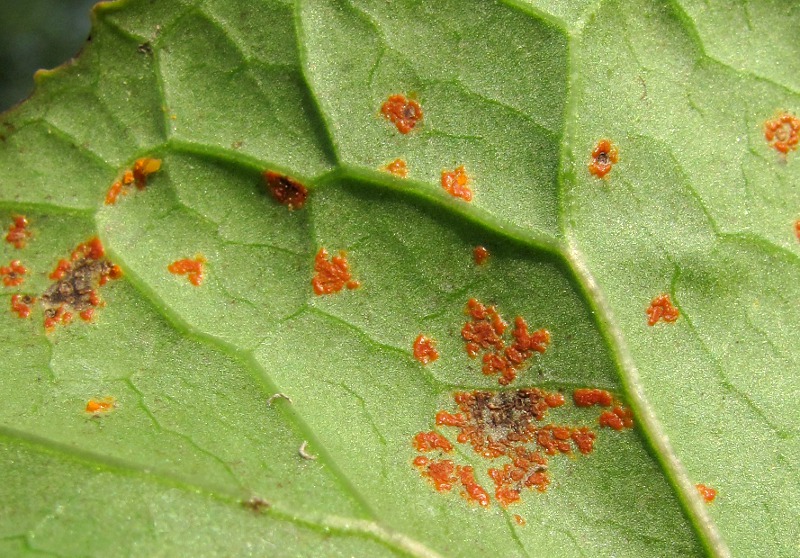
(195, 456)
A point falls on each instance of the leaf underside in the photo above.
(192, 460)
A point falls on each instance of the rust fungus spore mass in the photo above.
(604, 156)
(331, 275)
(480, 254)
(76, 285)
(21, 305)
(484, 332)
(192, 268)
(100, 406)
(402, 112)
(661, 308)
(286, 190)
(425, 350)
(584, 397)
(398, 167)
(134, 176)
(706, 492)
(18, 233)
(510, 431)
(13, 274)
(456, 183)
(783, 132)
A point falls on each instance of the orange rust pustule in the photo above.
(528, 469)
(398, 167)
(554, 439)
(442, 473)
(456, 183)
(473, 491)
(21, 305)
(192, 268)
(18, 233)
(480, 254)
(586, 397)
(485, 332)
(331, 275)
(797, 229)
(604, 156)
(134, 176)
(402, 112)
(13, 274)
(100, 406)
(76, 284)
(584, 439)
(425, 350)
(520, 520)
(661, 308)
(617, 418)
(708, 494)
(431, 441)
(286, 190)
(783, 132)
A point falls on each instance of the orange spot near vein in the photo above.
(481, 254)
(331, 275)
(404, 113)
(783, 132)
(99, 406)
(21, 305)
(286, 190)
(137, 175)
(18, 233)
(706, 492)
(661, 308)
(587, 397)
(398, 168)
(192, 268)
(424, 350)
(604, 156)
(13, 274)
(618, 418)
(485, 332)
(456, 182)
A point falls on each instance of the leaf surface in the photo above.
(195, 457)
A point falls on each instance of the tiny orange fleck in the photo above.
(456, 183)
(285, 190)
(797, 229)
(137, 175)
(332, 275)
(21, 305)
(404, 113)
(99, 406)
(604, 156)
(481, 254)
(425, 350)
(783, 132)
(192, 268)
(18, 233)
(398, 167)
(13, 274)
(661, 308)
(519, 519)
(706, 492)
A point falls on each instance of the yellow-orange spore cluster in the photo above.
(18, 233)
(13, 274)
(484, 332)
(100, 406)
(398, 167)
(286, 190)
(456, 183)
(21, 305)
(135, 176)
(402, 112)
(661, 308)
(192, 268)
(706, 492)
(783, 132)
(331, 275)
(509, 429)
(425, 350)
(77, 281)
(480, 255)
(604, 156)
